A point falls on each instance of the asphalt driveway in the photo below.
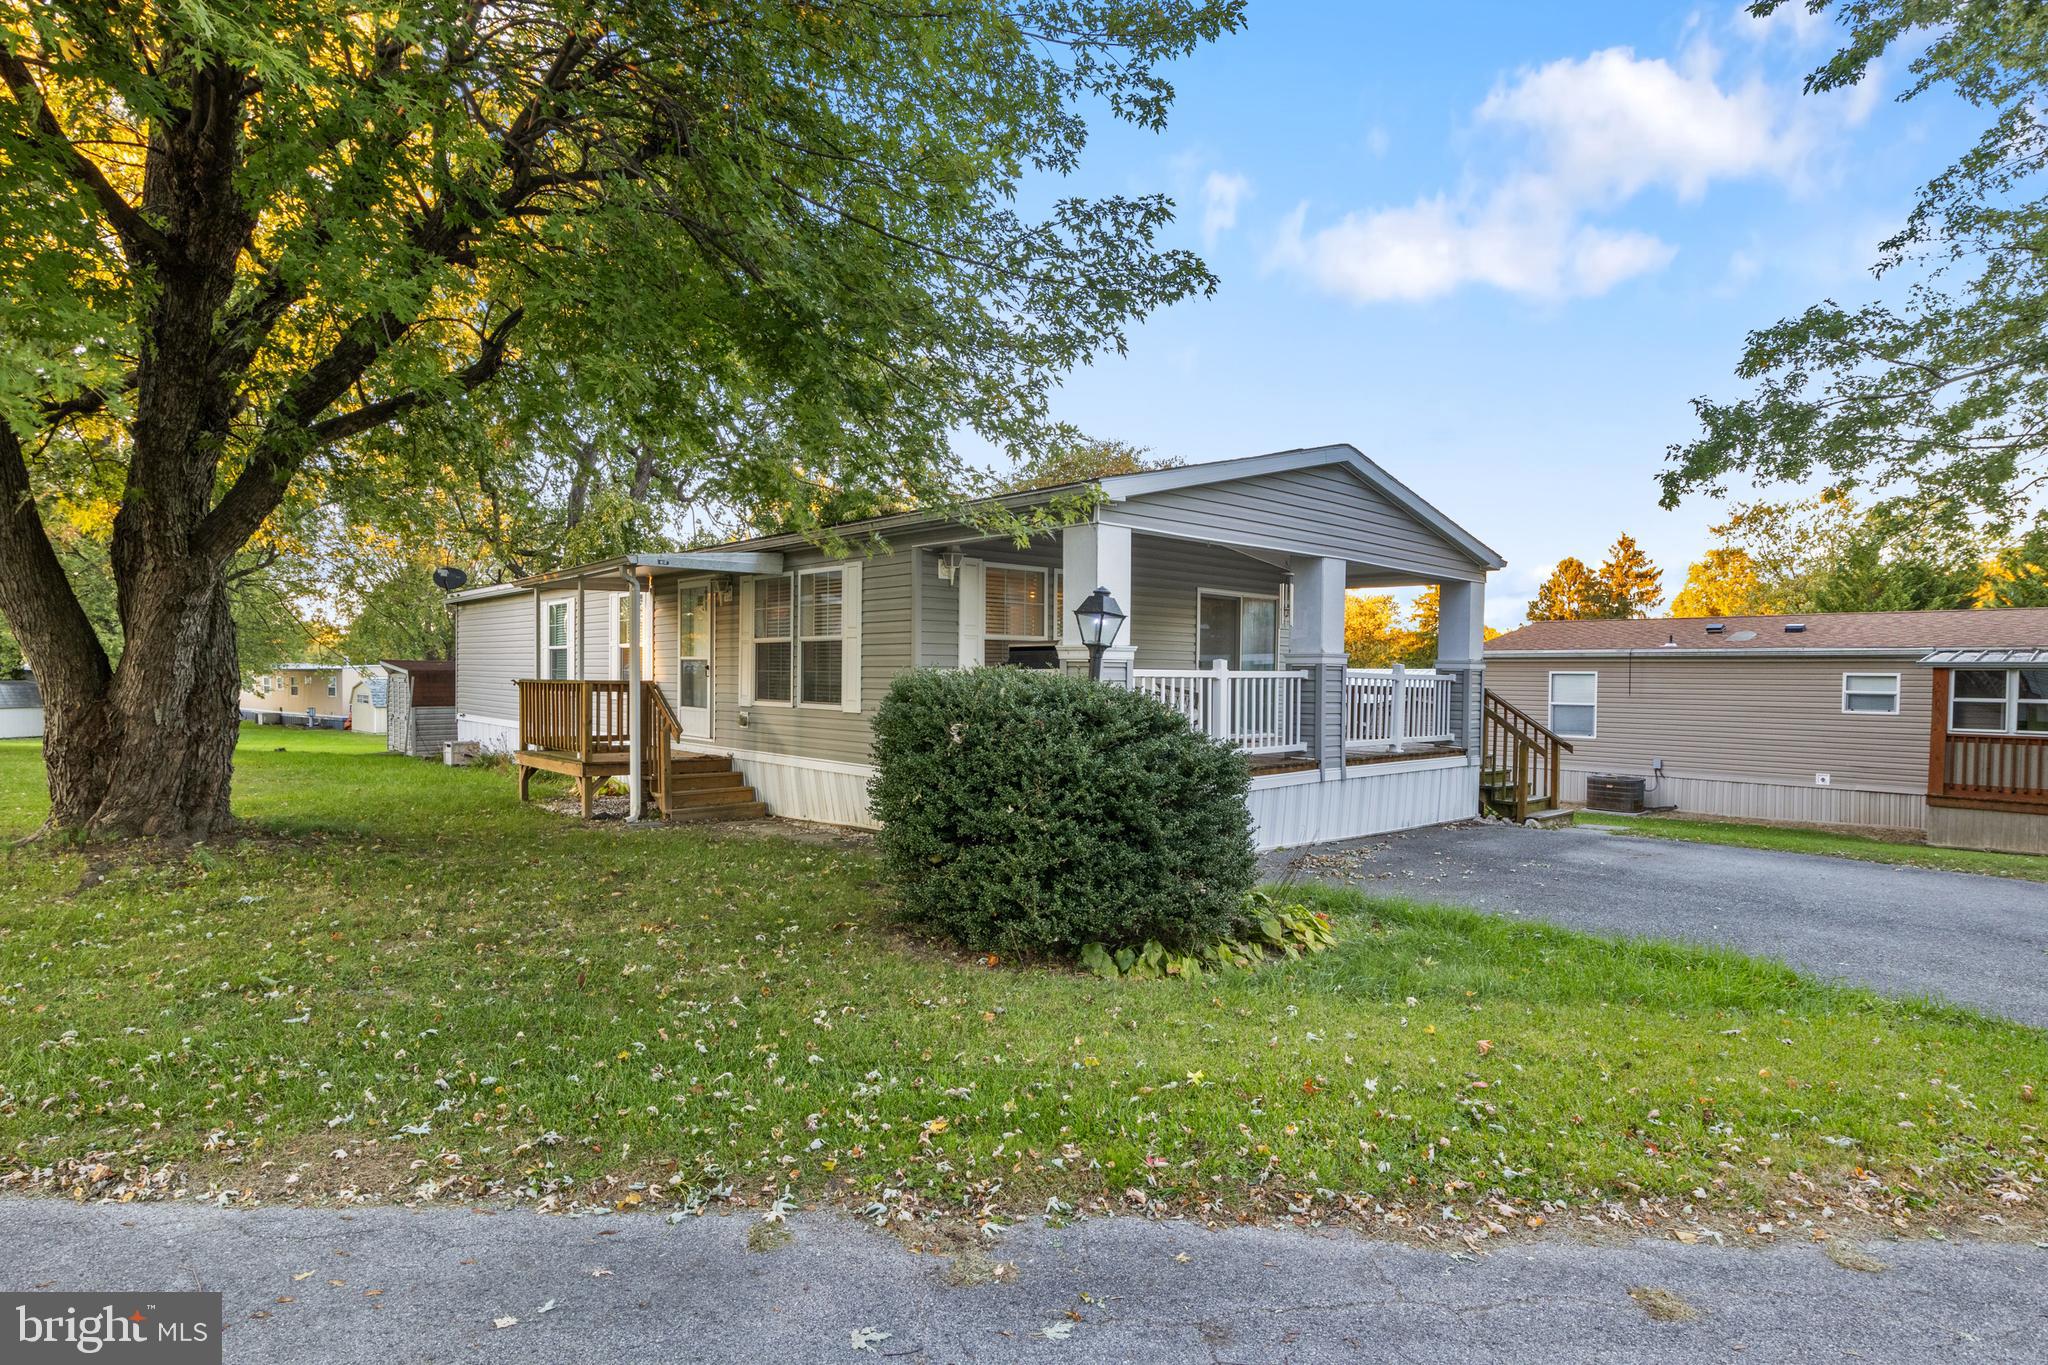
(1907, 931)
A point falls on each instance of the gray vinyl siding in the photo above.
(416, 730)
(494, 645)
(1772, 721)
(1167, 578)
(1325, 512)
(938, 604)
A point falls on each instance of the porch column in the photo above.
(1315, 646)
(635, 794)
(1460, 651)
(1096, 556)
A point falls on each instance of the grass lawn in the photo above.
(403, 981)
(1833, 843)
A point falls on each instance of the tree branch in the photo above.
(139, 239)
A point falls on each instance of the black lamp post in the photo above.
(1099, 618)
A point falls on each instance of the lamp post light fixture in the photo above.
(1099, 618)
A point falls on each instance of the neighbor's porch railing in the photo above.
(1256, 710)
(1392, 707)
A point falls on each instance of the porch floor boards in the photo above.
(1268, 765)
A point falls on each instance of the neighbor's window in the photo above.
(295, 687)
(1574, 704)
(1874, 694)
(1977, 699)
(2030, 700)
(821, 600)
(774, 650)
(330, 687)
(1999, 700)
(1016, 603)
(558, 640)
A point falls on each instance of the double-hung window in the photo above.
(803, 644)
(774, 644)
(1873, 694)
(1999, 700)
(1575, 704)
(821, 622)
(556, 648)
(330, 687)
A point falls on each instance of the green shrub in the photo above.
(1028, 811)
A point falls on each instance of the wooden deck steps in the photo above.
(703, 788)
(582, 728)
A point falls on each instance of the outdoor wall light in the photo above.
(1099, 618)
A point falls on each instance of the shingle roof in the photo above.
(1904, 631)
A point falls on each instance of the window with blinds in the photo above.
(821, 624)
(774, 649)
(558, 640)
(1016, 603)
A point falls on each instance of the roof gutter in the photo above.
(1667, 652)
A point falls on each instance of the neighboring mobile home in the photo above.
(768, 657)
(369, 694)
(1932, 720)
(21, 709)
(297, 694)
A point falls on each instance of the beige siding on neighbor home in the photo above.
(1744, 736)
(312, 688)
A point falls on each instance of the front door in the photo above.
(693, 662)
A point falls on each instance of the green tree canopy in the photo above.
(1573, 592)
(1943, 390)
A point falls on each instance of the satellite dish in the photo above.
(449, 579)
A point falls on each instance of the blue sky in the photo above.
(1499, 247)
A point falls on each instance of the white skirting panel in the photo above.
(1782, 802)
(1290, 809)
(489, 733)
(807, 789)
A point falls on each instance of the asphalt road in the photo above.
(1906, 931)
(389, 1285)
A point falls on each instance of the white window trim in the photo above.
(1045, 590)
(568, 645)
(620, 643)
(1279, 623)
(1550, 702)
(1898, 699)
(799, 639)
(849, 637)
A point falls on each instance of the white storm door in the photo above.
(693, 661)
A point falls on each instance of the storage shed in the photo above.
(21, 709)
(421, 706)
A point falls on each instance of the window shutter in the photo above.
(746, 695)
(849, 636)
(973, 613)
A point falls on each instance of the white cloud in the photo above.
(1589, 134)
(1221, 195)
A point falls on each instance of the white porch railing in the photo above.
(1395, 706)
(1258, 711)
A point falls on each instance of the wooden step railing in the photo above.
(584, 717)
(1521, 752)
(660, 732)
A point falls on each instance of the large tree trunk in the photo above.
(152, 754)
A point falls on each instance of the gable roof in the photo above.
(1343, 455)
(1901, 632)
